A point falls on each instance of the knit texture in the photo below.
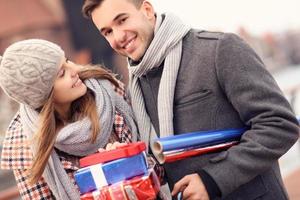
(166, 46)
(28, 69)
(75, 137)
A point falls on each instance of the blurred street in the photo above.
(288, 80)
(61, 21)
(292, 184)
(290, 169)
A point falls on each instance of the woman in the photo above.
(66, 111)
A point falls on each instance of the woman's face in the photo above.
(67, 86)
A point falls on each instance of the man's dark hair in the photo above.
(90, 5)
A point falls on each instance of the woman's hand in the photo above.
(111, 146)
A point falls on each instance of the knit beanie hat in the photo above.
(28, 70)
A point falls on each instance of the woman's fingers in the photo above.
(115, 145)
(101, 150)
(108, 146)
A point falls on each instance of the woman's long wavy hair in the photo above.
(50, 121)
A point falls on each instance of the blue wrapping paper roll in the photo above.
(196, 139)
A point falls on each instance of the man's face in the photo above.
(128, 29)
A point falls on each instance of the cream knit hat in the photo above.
(28, 69)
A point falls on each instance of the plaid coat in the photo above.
(17, 156)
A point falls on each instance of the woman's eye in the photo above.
(61, 73)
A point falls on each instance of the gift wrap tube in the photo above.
(171, 156)
(96, 176)
(194, 140)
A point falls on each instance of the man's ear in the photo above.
(148, 10)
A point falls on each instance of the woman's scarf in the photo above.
(74, 138)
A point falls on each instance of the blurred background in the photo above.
(270, 27)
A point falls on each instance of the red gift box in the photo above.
(106, 156)
(138, 188)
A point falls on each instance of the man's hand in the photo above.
(192, 188)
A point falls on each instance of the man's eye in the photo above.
(123, 20)
(107, 33)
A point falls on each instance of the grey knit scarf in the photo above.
(166, 46)
(75, 138)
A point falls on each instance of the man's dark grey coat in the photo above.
(222, 84)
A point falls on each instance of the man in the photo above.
(185, 80)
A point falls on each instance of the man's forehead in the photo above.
(115, 5)
(109, 11)
(102, 21)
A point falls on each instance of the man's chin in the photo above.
(134, 58)
(131, 57)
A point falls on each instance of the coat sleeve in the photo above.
(39, 190)
(252, 91)
(121, 129)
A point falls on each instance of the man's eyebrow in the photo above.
(115, 19)
(119, 16)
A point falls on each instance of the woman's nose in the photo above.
(74, 72)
